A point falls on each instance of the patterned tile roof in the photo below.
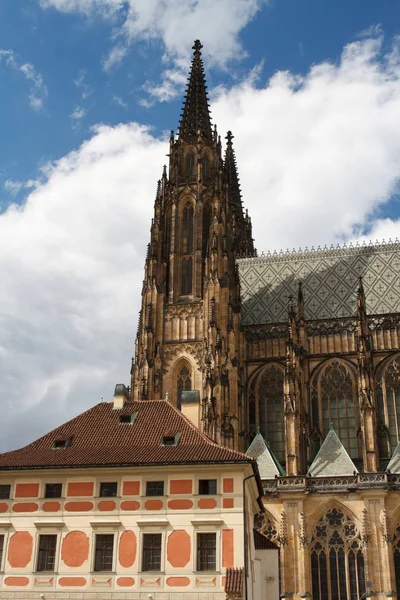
(268, 465)
(332, 459)
(234, 581)
(394, 463)
(97, 438)
(330, 281)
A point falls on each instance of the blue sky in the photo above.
(89, 91)
(68, 50)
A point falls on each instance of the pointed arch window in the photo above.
(269, 393)
(334, 403)
(186, 276)
(190, 165)
(337, 560)
(187, 229)
(206, 165)
(396, 550)
(388, 401)
(184, 384)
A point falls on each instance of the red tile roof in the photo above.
(99, 439)
(234, 581)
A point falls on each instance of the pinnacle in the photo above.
(195, 117)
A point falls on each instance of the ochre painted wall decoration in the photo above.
(127, 549)
(20, 549)
(80, 488)
(131, 488)
(227, 548)
(27, 490)
(181, 486)
(178, 549)
(75, 549)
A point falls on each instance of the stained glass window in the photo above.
(184, 384)
(190, 165)
(388, 401)
(337, 560)
(187, 229)
(186, 276)
(270, 406)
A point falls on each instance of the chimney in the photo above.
(121, 395)
(190, 406)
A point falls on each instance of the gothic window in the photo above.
(184, 384)
(388, 401)
(190, 165)
(269, 392)
(337, 560)
(186, 276)
(187, 229)
(206, 166)
(396, 549)
(334, 402)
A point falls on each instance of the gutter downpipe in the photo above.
(245, 536)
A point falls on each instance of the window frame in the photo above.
(97, 534)
(217, 553)
(46, 496)
(40, 535)
(162, 546)
(208, 493)
(154, 481)
(105, 483)
(10, 489)
(3, 553)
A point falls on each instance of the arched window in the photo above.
(396, 550)
(337, 560)
(190, 165)
(268, 395)
(186, 276)
(334, 403)
(388, 401)
(206, 166)
(184, 384)
(187, 229)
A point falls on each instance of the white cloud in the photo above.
(119, 102)
(81, 84)
(38, 90)
(317, 156)
(14, 187)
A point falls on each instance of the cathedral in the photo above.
(295, 357)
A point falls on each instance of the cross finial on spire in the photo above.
(197, 46)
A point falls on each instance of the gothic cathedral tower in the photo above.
(189, 323)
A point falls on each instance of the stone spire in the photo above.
(231, 174)
(195, 117)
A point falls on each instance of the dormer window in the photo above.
(171, 440)
(128, 419)
(62, 444)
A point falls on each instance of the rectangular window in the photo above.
(206, 552)
(1, 550)
(151, 552)
(5, 492)
(154, 488)
(108, 488)
(53, 490)
(47, 553)
(103, 560)
(207, 487)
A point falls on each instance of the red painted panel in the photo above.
(130, 505)
(78, 506)
(207, 503)
(25, 507)
(228, 486)
(106, 505)
(27, 490)
(16, 581)
(125, 581)
(153, 505)
(181, 486)
(72, 581)
(178, 581)
(51, 506)
(20, 549)
(131, 488)
(3, 507)
(227, 548)
(227, 503)
(75, 549)
(80, 488)
(127, 549)
(178, 548)
(182, 504)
